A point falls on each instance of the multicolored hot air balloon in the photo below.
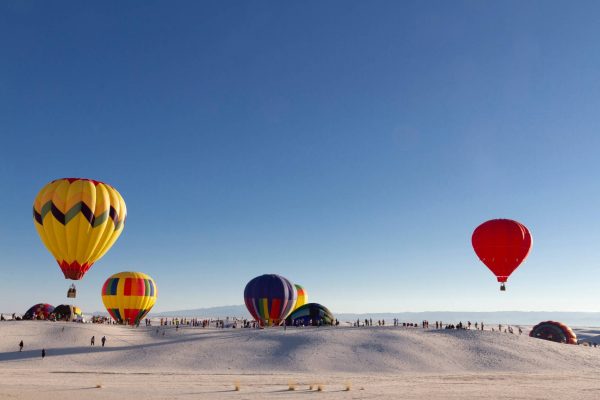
(129, 296)
(311, 314)
(554, 331)
(67, 312)
(270, 299)
(39, 311)
(502, 245)
(302, 297)
(78, 220)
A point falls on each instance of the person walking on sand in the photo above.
(43, 353)
(20, 346)
(103, 340)
(93, 341)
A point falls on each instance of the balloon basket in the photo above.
(72, 292)
(502, 287)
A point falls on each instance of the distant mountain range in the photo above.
(504, 317)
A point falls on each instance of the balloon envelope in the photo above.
(311, 314)
(39, 311)
(66, 312)
(554, 331)
(129, 296)
(78, 220)
(302, 297)
(270, 299)
(502, 245)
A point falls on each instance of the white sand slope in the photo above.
(381, 360)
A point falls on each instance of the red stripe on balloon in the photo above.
(275, 309)
(127, 290)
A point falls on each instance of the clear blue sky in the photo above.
(350, 146)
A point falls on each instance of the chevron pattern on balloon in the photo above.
(81, 207)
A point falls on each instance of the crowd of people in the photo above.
(92, 343)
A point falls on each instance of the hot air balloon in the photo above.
(311, 314)
(302, 297)
(78, 221)
(270, 299)
(39, 311)
(554, 331)
(67, 312)
(502, 245)
(129, 296)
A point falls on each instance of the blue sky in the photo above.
(350, 146)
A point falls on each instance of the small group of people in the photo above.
(201, 323)
(21, 345)
(318, 322)
(381, 322)
(93, 341)
(14, 317)
(99, 319)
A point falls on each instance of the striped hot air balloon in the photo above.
(78, 220)
(129, 296)
(302, 297)
(270, 299)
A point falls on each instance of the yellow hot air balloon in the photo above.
(302, 298)
(78, 220)
(129, 296)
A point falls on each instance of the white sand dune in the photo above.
(383, 361)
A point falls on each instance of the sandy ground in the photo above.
(377, 362)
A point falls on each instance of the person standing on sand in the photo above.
(93, 341)
(103, 340)
(20, 346)
(43, 353)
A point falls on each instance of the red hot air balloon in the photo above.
(502, 245)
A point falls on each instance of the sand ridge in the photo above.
(373, 358)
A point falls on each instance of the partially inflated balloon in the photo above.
(39, 311)
(502, 245)
(311, 314)
(67, 312)
(129, 296)
(554, 331)
(78, 220)
(302, 297)
(270, 299)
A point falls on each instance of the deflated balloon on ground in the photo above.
(311, 314)
(554, 331)
(67, 312)
(39, 311)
